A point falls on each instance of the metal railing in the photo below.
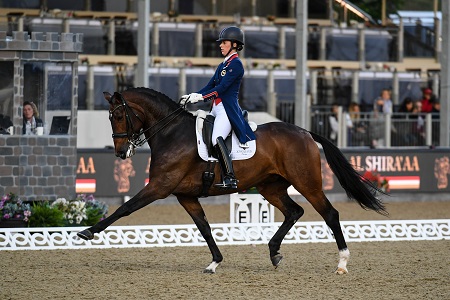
(379, 130)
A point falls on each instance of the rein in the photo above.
(135, 138)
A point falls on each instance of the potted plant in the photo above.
(14, 212)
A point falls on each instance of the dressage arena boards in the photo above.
(251, 223)
(224, 234)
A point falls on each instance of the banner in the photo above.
(101, 173)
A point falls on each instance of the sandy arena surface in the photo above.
(377, 270)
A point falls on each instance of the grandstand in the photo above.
(350, 56)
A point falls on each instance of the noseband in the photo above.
(135, 138)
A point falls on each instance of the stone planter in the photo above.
(12, 223)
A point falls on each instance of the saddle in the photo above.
(208, 126)
(204, 129)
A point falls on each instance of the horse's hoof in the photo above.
(208, 271)
(85, 235)
(276, 260)
(341, 271)
(211, 269)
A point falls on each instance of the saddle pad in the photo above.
(237, 152)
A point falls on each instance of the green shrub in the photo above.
(45, 215)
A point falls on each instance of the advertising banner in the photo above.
(101, 173)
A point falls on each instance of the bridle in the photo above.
(136, 139)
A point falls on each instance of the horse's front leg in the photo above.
(195, 210)
(146, 196)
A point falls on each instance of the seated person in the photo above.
(30, 118)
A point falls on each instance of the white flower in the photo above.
(78, 219)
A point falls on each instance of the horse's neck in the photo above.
(174, 130)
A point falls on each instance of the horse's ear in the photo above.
(107, 96)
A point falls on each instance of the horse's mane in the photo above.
(160, 97)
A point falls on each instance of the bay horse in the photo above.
(286, 155)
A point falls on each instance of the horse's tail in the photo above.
(356, 186)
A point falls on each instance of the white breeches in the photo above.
(222, 126)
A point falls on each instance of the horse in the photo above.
(286, 155)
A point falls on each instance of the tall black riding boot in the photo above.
(229, 180)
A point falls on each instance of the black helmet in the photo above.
(233, 34)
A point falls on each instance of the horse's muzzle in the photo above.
(127, 152)
(121, 154)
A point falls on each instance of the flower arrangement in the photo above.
(377, 180)
(83, 211)
(74, 211)
(11, 207)
(95, 210)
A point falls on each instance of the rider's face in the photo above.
(225, 47)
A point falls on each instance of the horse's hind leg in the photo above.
(276, 194)
(195, 210)
(331, 216)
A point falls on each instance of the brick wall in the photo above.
(39, 167)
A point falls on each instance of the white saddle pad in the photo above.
(237, 153)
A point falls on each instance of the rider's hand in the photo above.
(195, 97)
(183, 99)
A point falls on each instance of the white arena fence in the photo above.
(224, 234)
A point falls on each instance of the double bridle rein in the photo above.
(135, 139)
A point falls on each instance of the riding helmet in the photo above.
(233, 34)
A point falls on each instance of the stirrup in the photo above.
(228, 183)
(244, 145)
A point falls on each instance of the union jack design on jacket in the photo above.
(224, 87)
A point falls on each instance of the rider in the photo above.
(223, 90)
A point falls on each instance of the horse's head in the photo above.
(126, 125)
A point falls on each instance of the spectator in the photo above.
(426, 100)
(418, 126)
(406, 106)
(404, 136)
(333, 120)
(30, 118)
(382, 105)
(435, 125)
(358, 131)
(436, 108)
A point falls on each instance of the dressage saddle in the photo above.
(208, 126)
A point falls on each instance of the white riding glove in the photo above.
(195, 97)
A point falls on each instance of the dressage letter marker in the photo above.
(252, 208)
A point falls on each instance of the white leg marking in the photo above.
(211, 268)
(344, 256)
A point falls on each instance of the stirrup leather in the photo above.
(229, 179)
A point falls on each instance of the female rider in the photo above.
(223, 90)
